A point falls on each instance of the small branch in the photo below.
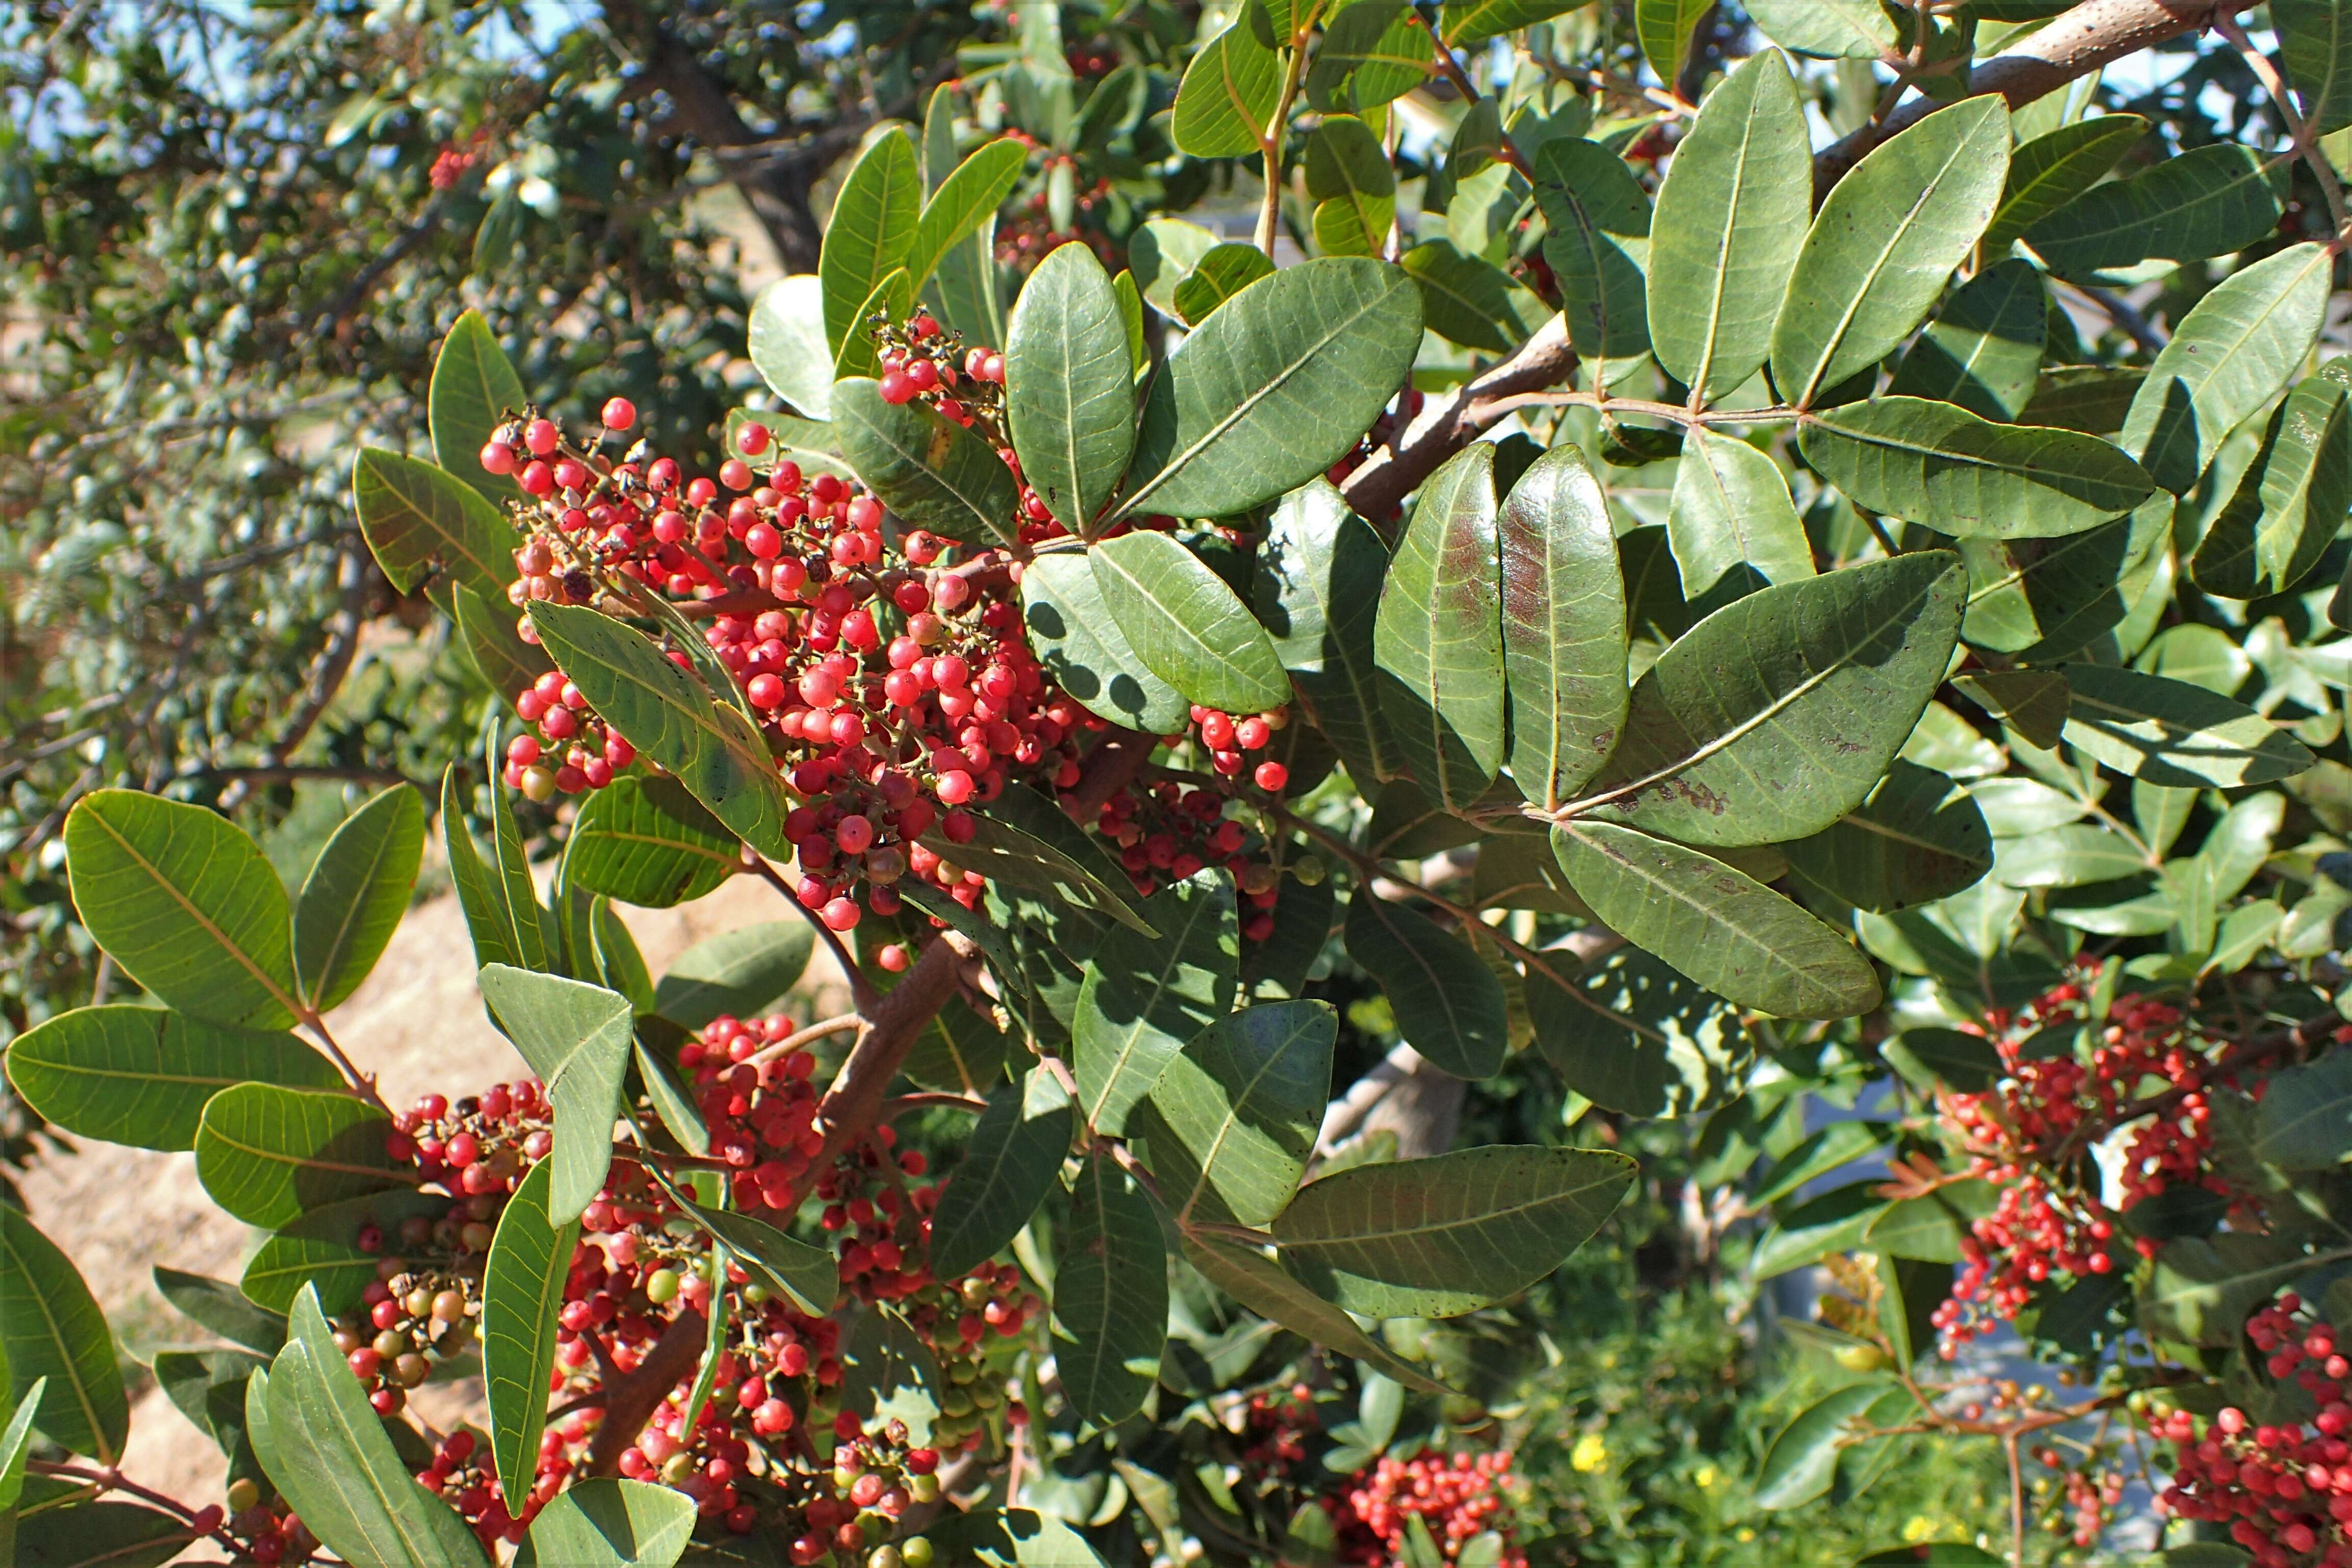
(892, 1025)
(2306, 146)
(839, 1024)
(363, 1084)
(2121, 313)
(1451, 69)
(1109, 768)
(1344, 1114)
(1278, 128)
(900, 1104)
(861, 990)
(632, 1397)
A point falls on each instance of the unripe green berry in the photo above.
(661, 1287)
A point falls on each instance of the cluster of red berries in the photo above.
(1029, 234)
(263, 1529)
(1457, 1495)
(1277, 1426)
(457, 1475)
(479, 1144)
(1168, 830)
(2030, 1137)
(2286, 1492)
(449, 166)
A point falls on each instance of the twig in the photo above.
(1277, 125)
(2016, 1499)
(861, 990)
(632, 1397)
(110, 1479)
(892, 1026)
(898, 1104)
(363, 1084)
(838, 1024)
(2331, 189)
(1451, 69)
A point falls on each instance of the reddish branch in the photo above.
(631, 1399)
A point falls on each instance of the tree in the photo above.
(1101, 637)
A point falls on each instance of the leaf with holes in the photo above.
(576, 1038)
(1438, 639)
(269, 1156)
(1111, 1294)
(1069, 386)
(140, 1076)
(1448, 1005)
(53, 1333)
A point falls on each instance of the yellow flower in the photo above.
(1743, 1534)
(1589, 1454)
(1705, 1476)
(1920, 1527)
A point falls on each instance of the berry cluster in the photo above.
(413, 1318)
(449, 166)
(2077, 1506)
(1278, 1427)
(2285, 1491)
(1457, 1495)
(1167, 831)
(2030, 1137)
(265, 1530)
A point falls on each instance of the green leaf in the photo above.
(608, 1523)
(2054, 597)
(1081, 645)
(1145, 997)
(1833, 1222)
(2231, 354)
(968, 197)
(328, 1452)
(669, 717)
(221, 1307)
(1009, 1163)
(513, 895)
(2304, 1120)
(57, 1345)
(1731, 215)
(268, 1155)
(1449, 1006)
(1931, 1554)
(1186, 624)
(506, 663)
(1276, 387)
(423, 524)
(358, 889)
(1730, 508)
(522, 1288)
(2206, 201)
(1928, 1057)
(1223, 271)
(1111, 1294)
(2050, 171)
(1598, 224)
(488, 921)
(1438, 640)
(788, 344)
(1884, 242)
(1317, 588)
(99, 1535)
(1348, 172)
(645, 841)
(1721, 927)
(1238, 1108)
(1664, 28)
(871, 233)
(1450, 1234)
(2289, 503)
(1475, 21)
(2170, 733)
(2203, 1287)
(1011, 1538)
(806, 1276)
(933, 473)
(1164, 253)
(1373, 51)
(140, 1076)
(1471, 301)
(1631, 1034)
(739, 971)
(1829, 29)
(2316, 43)
(473, 390)
(1803, 1460)
(1917, 839)
(322, 1249)
(576, 1038)
(16, 1442)
(1259, 1283)
(1230, 91)
(1563, 609)
(1984, 349)
(1969, 478)
(1776, 714)
(186, 903)
(1069, 388)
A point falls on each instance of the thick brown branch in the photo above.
(893, 1024)
(1109, 768)
(631, 1400)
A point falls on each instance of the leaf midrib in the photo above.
(57, 1337)
(219, 937)
(1441, 1227)
(1176, 948)
(1773, 960)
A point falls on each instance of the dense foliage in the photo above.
(1332, 766)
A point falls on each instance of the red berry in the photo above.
(619, 414)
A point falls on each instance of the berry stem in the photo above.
(861, 991)
(363, 1084)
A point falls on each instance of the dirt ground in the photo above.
(418, 1024)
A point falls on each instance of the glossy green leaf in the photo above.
(1776, 714)
(2304, 1120)
(2171, 733)
(806, 1276)
(357, 890)
(608, 1523)
(99, 1535)
(1449, 1006)
(2204, 1289)
(1024, 840)
(2051, 170)
(186, 903)
(968, 197)
(1081, 645)
(1373, 51)
(140, 1076)
(328, 1452)
(2051, 596)
(1829, 29)
(1070, 387)
(2231, 354)
(422, 524)
(1563, 609)
(2206, 201)
(576, 1038)
(506, 663)
(871, 233)
(892, 300)
(2290, 502)
(1009, 1163)
(1927, 1056)
(1917, 839)
(2316, 44)
(1353, 187)
(322, 1249)
(480, 895)
(1274, 387)
(1011, 1538)
(1803, 1460)
(1832, 1222)
(670, 719)
(221, 1307)
(1164, 253)
(522, 1288)
(1632, 1034)
(54, 1335)
(934, 474)
(1721, 927)
(1145, 997)
(645, 841)
(1438, 638)
(1447, 1235)
(1238, 1112)
(1475, 21)
(1663, 29)
(268, 1154)
(1111, 1294)
(15, 1444)
(1598, 224)
(1186, 624)
(473, 390)
(1730, 216)
(1317, 588)
(1884, 244)
(1471, 301)
(788, 343)
(1730, 508)
(1969, 478)
(1983, 351)
(1230, 91)
(740, 972)
(1259, 1283)
(506, 878)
